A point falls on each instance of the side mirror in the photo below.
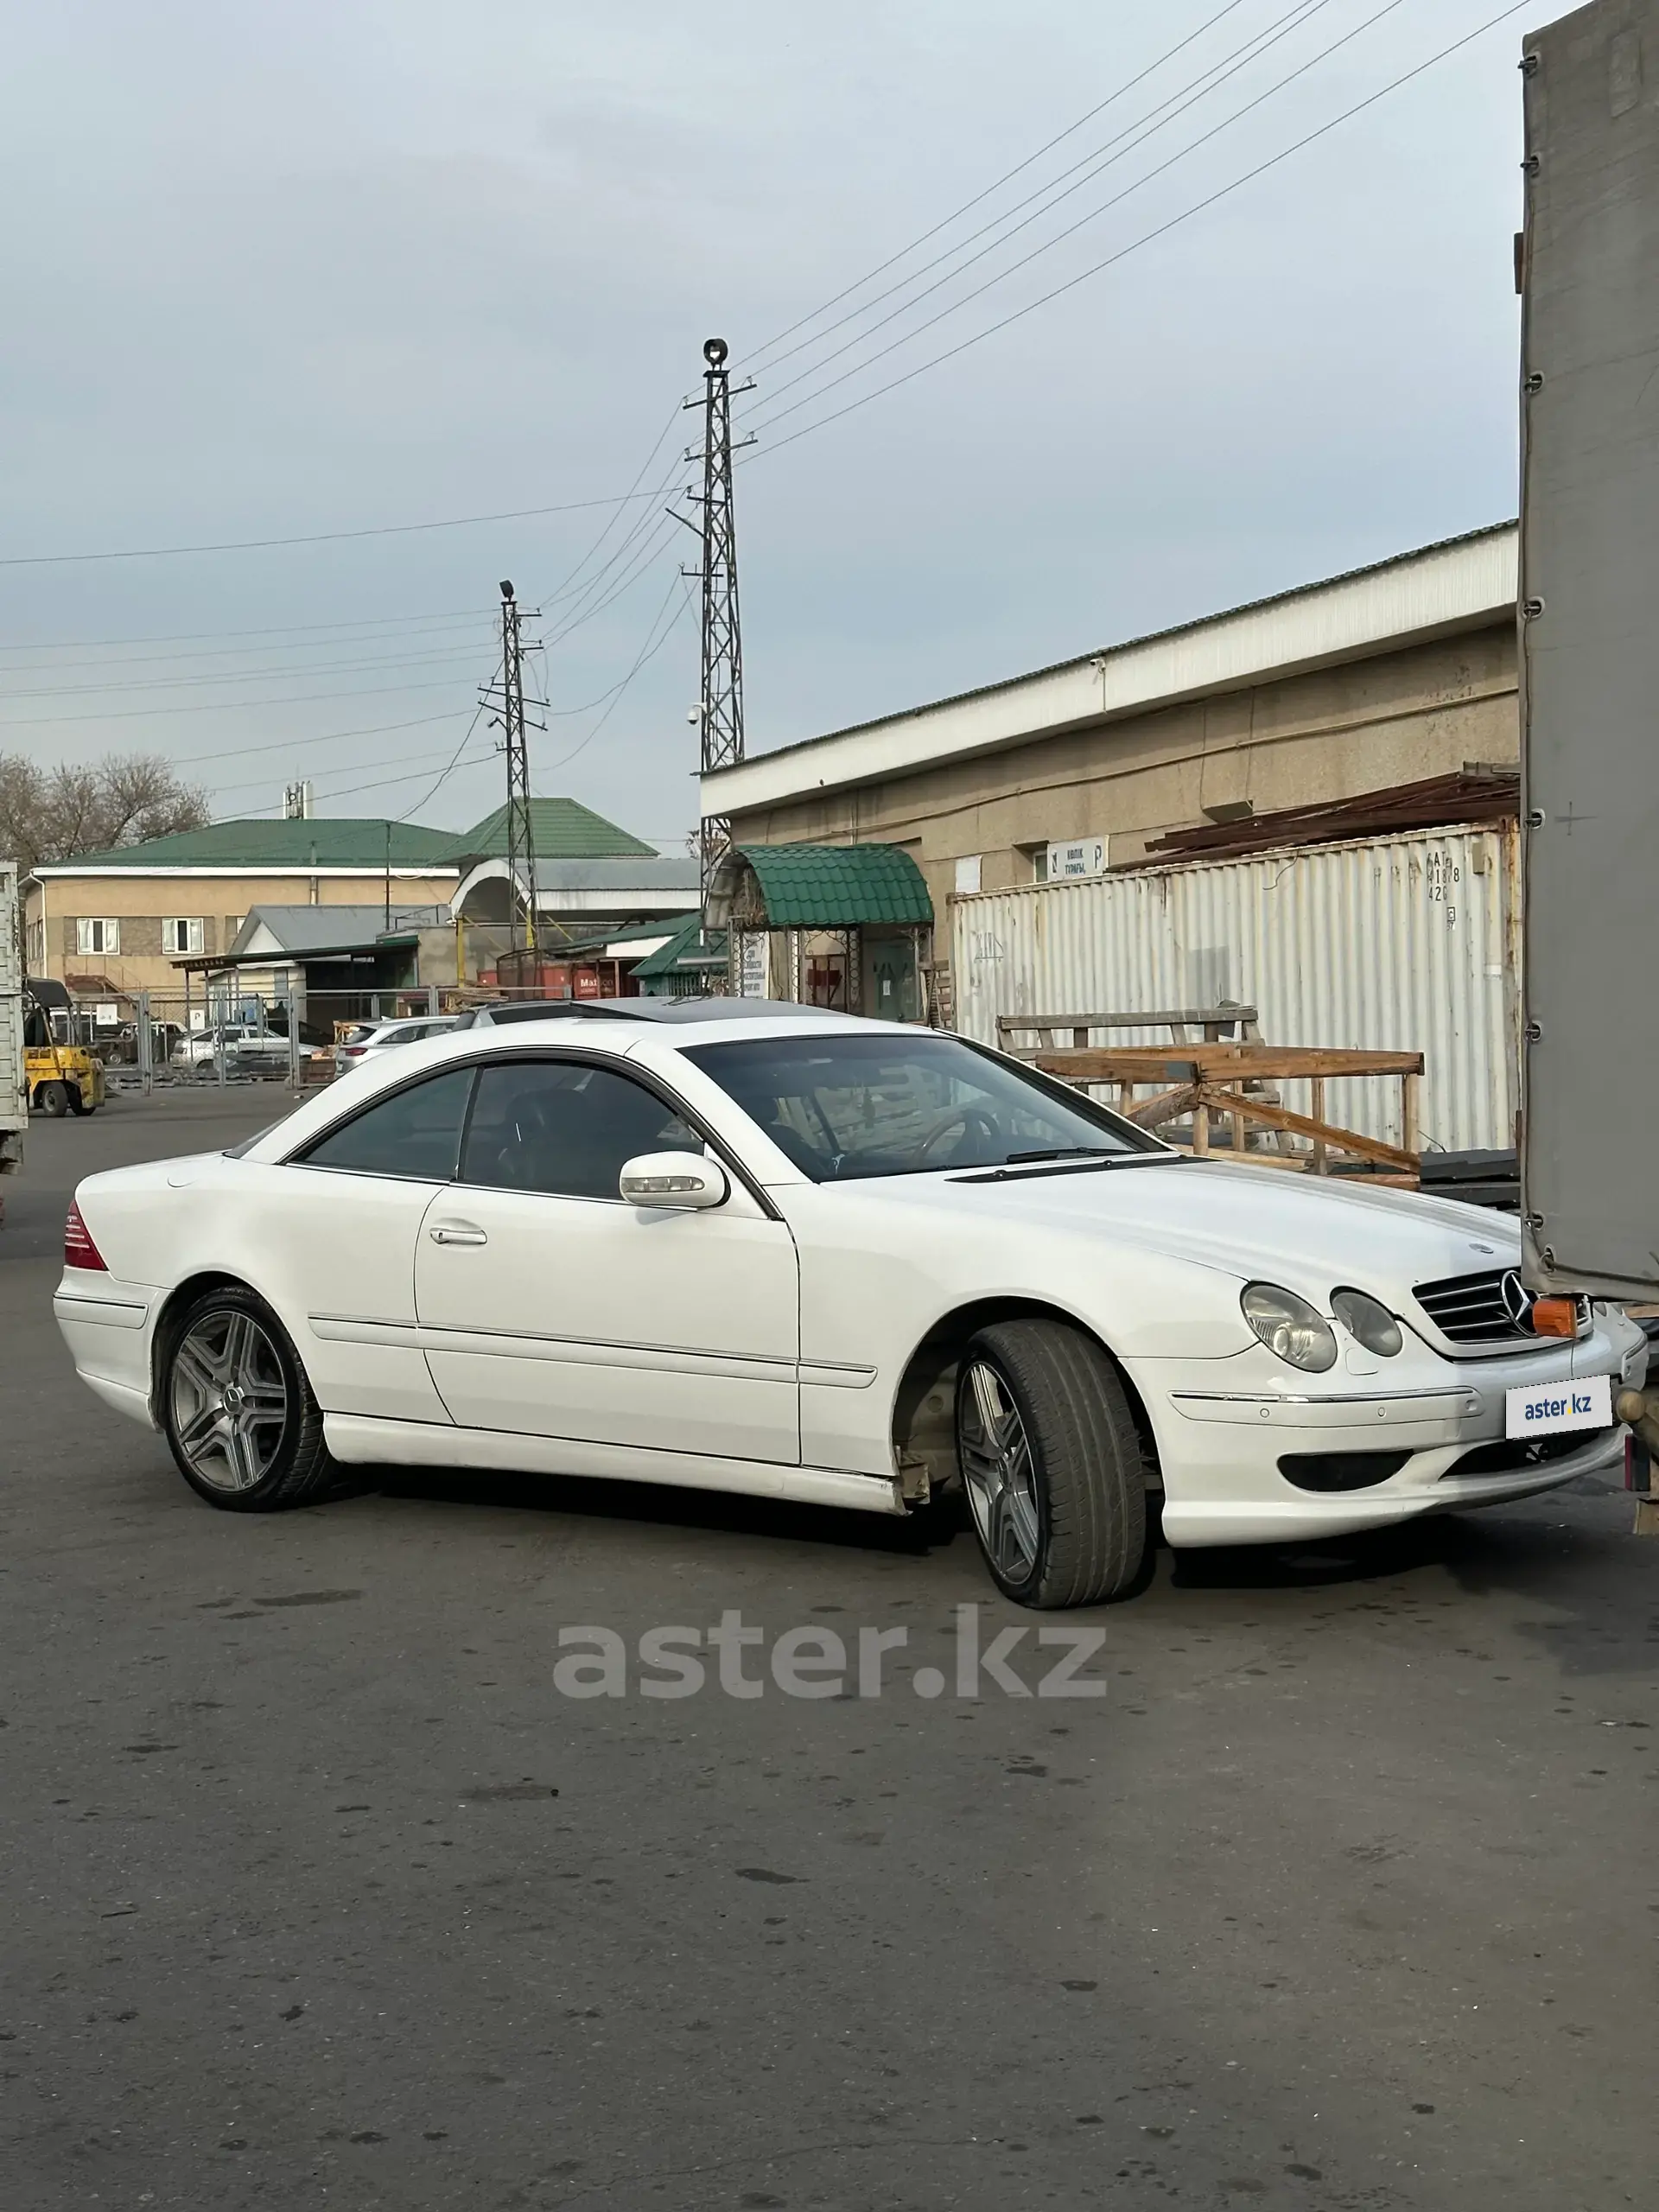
(679, 1180)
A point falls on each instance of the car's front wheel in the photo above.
(244, 1428)
(1052, 1465)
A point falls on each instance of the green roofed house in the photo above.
(111, 924)
(560, 829)
(848, 927)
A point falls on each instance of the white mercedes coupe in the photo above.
(759, 1248)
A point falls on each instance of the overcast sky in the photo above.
(275, 271)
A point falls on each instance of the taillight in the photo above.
(79, 1249)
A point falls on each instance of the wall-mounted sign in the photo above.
(1086, 857)
(752, 964)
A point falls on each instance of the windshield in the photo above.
(842, 1107)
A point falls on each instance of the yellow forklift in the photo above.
(62, 1074)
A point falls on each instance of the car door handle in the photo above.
(456, 1232)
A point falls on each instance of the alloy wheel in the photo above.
(230, 1401)
(998, 1473)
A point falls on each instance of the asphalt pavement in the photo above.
(320, 1885)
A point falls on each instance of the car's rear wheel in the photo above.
(1052, 1463)
(244, 1426)
(52, 1098)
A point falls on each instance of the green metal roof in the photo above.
(281, 845)
(834, 886)
(679, 948)
(560, 829)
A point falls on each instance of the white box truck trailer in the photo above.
(1589, 629)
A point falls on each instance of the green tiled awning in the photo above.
(838, 887)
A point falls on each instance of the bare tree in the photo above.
(55, 814)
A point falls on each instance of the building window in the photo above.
(37, 948)
(97, 935)
(182, 933)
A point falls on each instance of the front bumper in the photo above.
(1222, 1427)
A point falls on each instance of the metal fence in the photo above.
(164, 1041)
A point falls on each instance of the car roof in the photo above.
(675, 1011)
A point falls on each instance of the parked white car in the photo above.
(241, 1042)
(807, 1256)
(370, 1037)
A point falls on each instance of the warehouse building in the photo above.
(1390, 676)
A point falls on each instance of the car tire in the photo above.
(240, 1418)
(1052, 1465)
(52, 1098)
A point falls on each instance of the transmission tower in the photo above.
(507, 697)
(720, 703)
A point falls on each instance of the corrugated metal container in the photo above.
(1406, 943)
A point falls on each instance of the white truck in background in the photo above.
(14, 1092)
(1588, 263)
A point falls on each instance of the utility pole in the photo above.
(508, 698)
(720, 703)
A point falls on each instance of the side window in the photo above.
(564, 1128)
(416, 1132)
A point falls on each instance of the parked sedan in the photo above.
(808, 1256)
(244, 1046)
(369, 1037)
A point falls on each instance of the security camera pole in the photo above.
(720, 702)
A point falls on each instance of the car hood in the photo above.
(1312, 1233)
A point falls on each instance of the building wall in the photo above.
(1393, 718)
(140, 901)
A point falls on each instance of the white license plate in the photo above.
(1553, 1408)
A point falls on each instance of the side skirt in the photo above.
(359, 1439)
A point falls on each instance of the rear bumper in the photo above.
(106, 1325)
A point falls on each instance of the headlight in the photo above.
(1367, 1323)
(1291, 1329)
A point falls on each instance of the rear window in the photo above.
(415, 1132)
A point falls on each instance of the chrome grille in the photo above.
(1481, 1309)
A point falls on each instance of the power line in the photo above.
(293, 744)
(220, 706)
(1091, 164)
(381, 784)
(277, 630)
(415, 766)
(1008, 177)
(444, 775)
(473, 623)
(1001, 276)
(648, 653)
(560, 589)
(312, 537)
(1147, 239)
(246, 676)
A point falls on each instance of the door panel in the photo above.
(548, 1308)
(615, 1323)
(335, 1255)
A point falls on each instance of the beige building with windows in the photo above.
(1386, 676)
(113, 924)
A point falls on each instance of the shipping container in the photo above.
(1403, 944)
